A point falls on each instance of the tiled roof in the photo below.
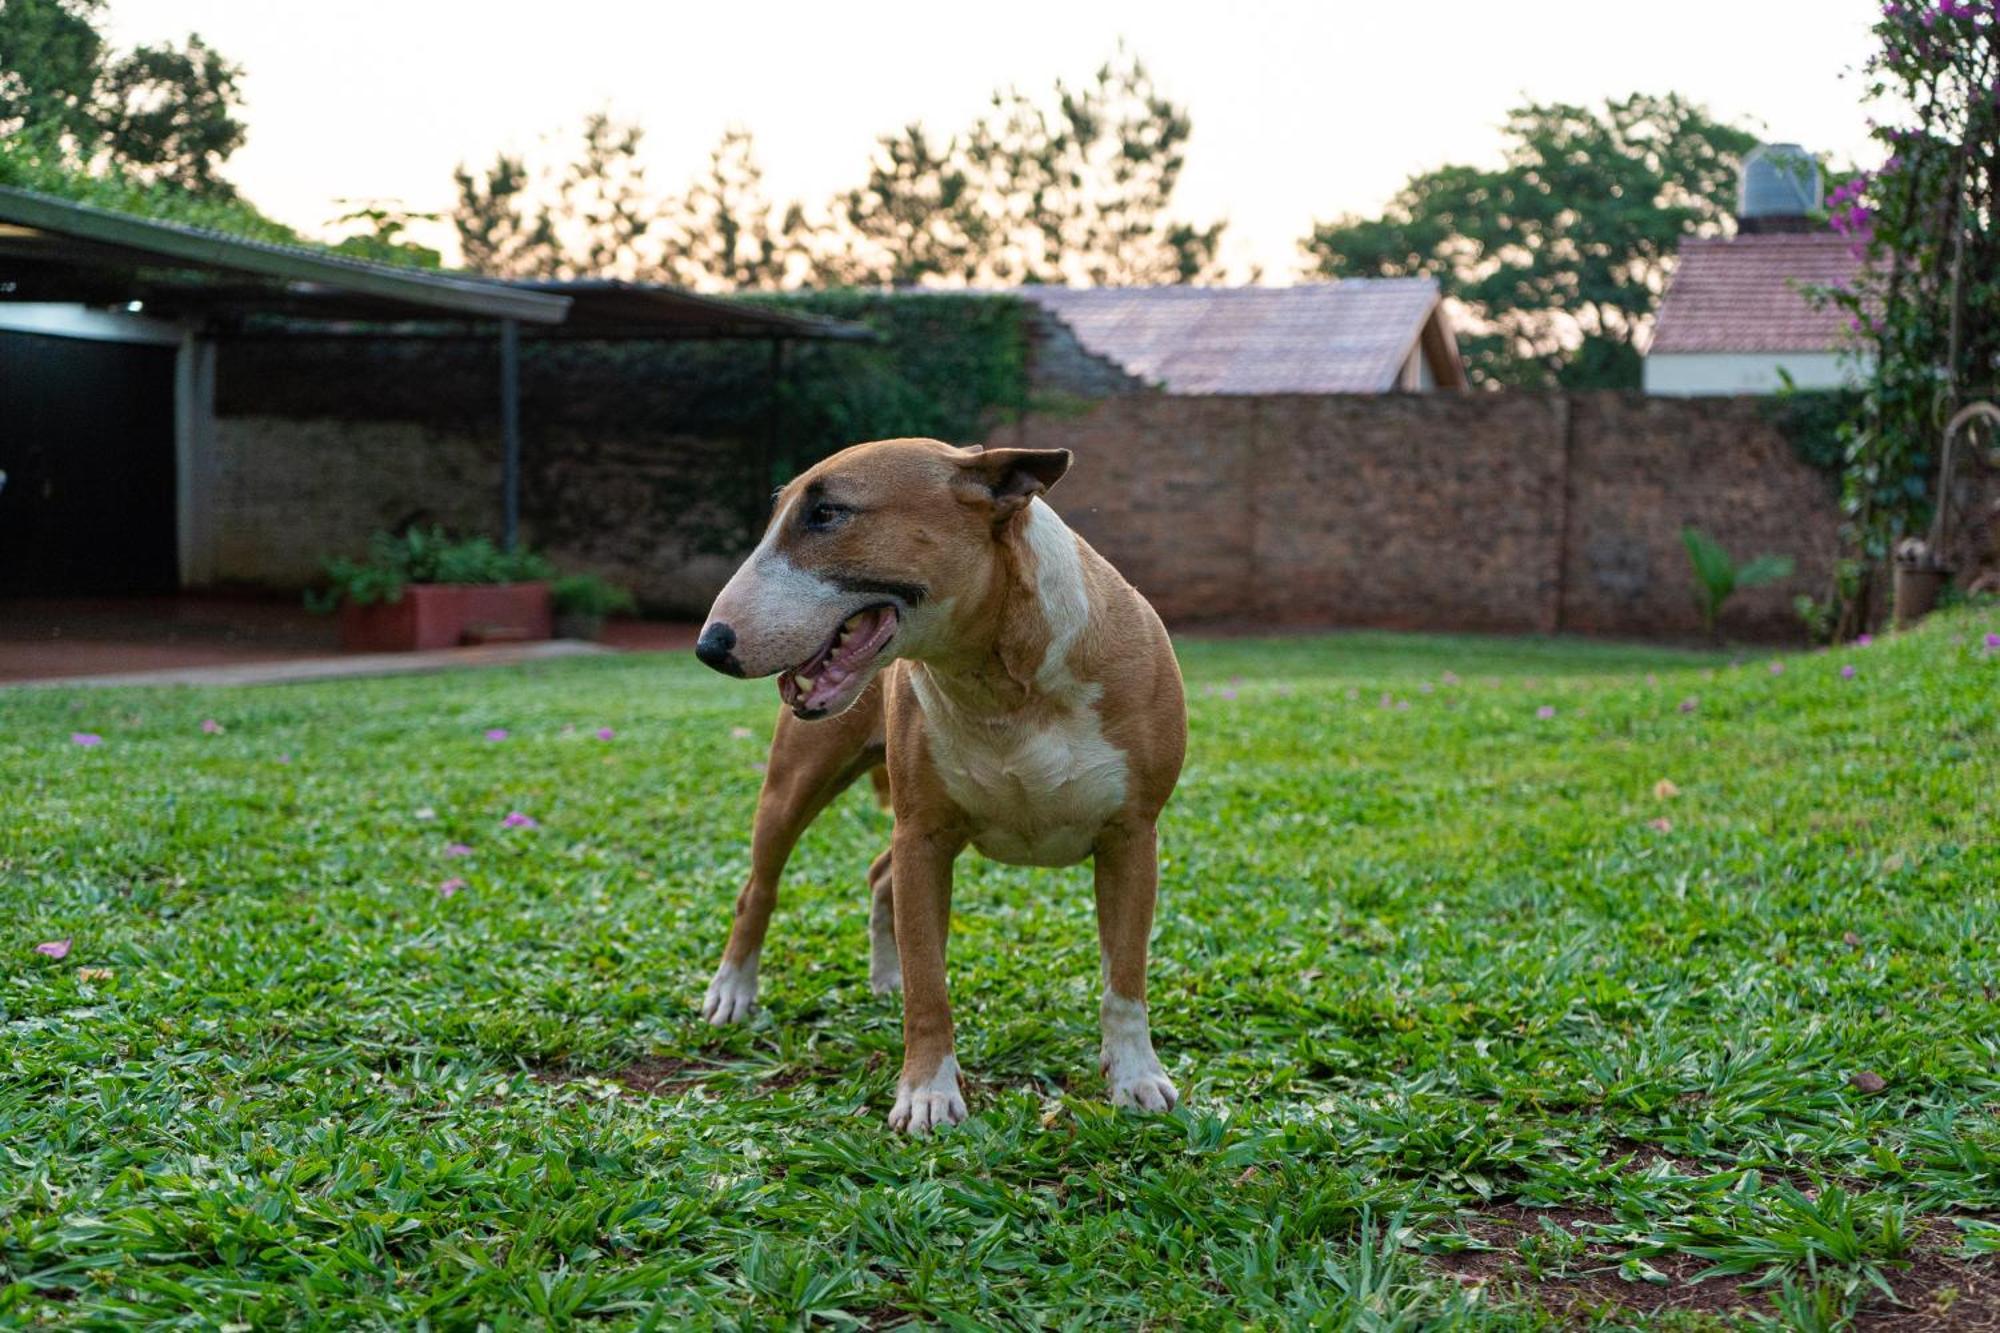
(1742, 294)
(1327, 337)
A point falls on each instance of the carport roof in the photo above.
(55, 250)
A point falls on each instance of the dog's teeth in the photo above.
(806, 682)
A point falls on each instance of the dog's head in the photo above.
(863, 561)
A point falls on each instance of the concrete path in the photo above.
(329, 668)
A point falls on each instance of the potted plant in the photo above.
(582, 601)
(423, 589)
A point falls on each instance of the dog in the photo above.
(925, 609)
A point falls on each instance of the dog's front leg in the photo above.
(927, 1094)
(810, 764)
(1127, 870)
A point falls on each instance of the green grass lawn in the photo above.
(1474, 1019)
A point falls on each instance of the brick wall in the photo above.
(289, 493)
(1445, 511)
(1498, 512)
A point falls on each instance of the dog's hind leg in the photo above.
(885, 968)
(810, 764)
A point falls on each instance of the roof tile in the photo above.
(1328, 337)
(1742, 294)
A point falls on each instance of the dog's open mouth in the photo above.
(813, 685)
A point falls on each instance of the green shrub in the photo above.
(421, 555)
(588, 595)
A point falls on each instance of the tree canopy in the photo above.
(1559, 254)
(1076, 188)
(165, 114)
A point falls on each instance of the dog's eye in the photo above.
(824, 516)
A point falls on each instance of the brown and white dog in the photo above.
(939, 617)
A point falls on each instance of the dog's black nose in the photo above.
(717, 648)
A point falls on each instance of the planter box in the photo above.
(445, 615)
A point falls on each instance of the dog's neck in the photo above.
(997, 660)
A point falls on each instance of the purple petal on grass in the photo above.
(1993, 641)
(458, 849)
(450, 886)
(53, 949)
(1863, 640)
(284, 759)
(515, 819)
(497, 734)
(740, 733)
(1777, 668)
(1847, 672)
(1545, 712)
(86, 739)
(210, 727)
(1449, 678)
(1689, 704)
(605, 733)
(1226, 692)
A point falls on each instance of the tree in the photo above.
(726, 234)
(1928, 222)
(587, 218)
(164, 114)
(1559, 254)
(168, 113)
(1077, 191)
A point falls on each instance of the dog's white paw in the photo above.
(1149, 1090)
(732, 995)
(885, 978)
(925, 1106)
(1130, 1067)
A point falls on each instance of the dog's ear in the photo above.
(1008, 478)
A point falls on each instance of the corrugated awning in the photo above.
(54, 250)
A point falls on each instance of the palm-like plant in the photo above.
(1717, 577)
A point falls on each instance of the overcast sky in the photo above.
(1301, 110)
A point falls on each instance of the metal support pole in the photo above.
(510, 434)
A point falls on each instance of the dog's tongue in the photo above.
(853, 648)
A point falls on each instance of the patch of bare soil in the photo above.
(654, 1075)
(1939, 1292)
(1936, 1291)
(665, 1075)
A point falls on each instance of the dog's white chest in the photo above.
(1035, 795)
(1038, 789)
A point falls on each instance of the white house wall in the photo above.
(1715, 374)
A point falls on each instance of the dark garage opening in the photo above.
(87, 443)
